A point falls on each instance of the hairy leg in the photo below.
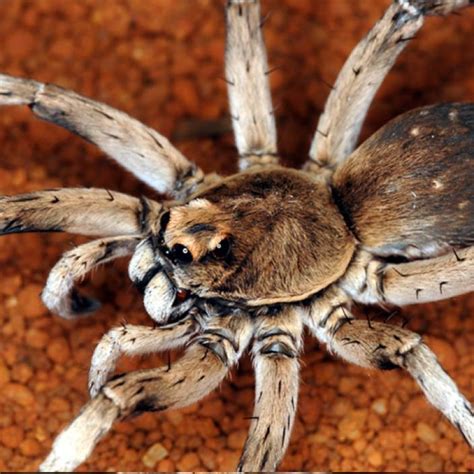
(138, 148)
(76, 210)
(275, 354)
(372, 281)
(246, 71)
(347, 105)
(427, 280)
(387, 347)
(134, 340)
(59, 294)
(204, 365)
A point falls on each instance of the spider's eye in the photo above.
(181, 254)
(222, 249)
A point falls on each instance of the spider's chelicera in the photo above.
(252, 259)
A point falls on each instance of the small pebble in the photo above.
(351, 426)
(30, 447)
(155, 453)
(11, 436)
(19, 394)
(426, 433)
(4, 374)
(188, 462)
(380, 406)
(29, 301)
(431, 463)
(375, 458)
(58, 351)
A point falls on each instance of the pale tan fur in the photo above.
(81, 211)
(248, 88)
(140, 149)
(427, 280)
(59, 294)
(275, 358)
(265, 213)
(198, 211)
(134, 340)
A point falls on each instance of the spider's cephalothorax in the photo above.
(223, 242)
(252, 259)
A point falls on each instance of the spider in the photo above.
(246, 262)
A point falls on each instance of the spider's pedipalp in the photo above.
(159, 294)
(247, 71)
(82, 211)
(381, 346)
(201, 369)
(275, 356)
(362, 74)
(134, 340)
(138, 148)
(59, 294)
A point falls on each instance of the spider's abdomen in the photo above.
(409, 189)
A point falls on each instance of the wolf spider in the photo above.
(250, 260)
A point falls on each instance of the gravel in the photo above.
(163, 63)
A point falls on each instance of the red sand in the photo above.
(161, 61)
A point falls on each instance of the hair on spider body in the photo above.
(415, 193)
(248, 261)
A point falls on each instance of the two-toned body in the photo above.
(250, 260)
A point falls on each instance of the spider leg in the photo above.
(347, 105)
(386, 347)
(59, 294)
(246, 72)
(275, 357)
(134, 340)
(418, 281)
(428, 280)
(76, 210)
(138, 148)
(204, 365)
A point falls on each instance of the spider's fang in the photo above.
(181, 296)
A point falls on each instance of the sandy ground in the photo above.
(161, 61)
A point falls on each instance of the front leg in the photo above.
(138, 148)
(275, 357)
(135, 340)
(204, 365)
(82, 211)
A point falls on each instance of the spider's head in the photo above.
(256, 238)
